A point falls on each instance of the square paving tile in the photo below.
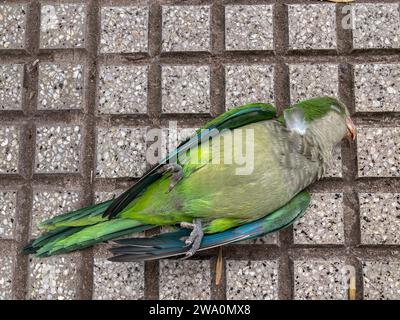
(323, 221)
(121, 152)
(9, 149)
(62, 26)
(58, 149)
(6, 274)
(61, 86)
(378, 152)
(248, 84)
(122, 89)
(249, 27)
(376, 25)
(186, 28)
(11, 81)
(8, 208)
(312, 26)
(381, 280)
(186, 89)
(380, 218)
(377, 87)
(12, 26)
(178, 279)
(251, 280)
(124, 29)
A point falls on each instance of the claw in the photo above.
(195, 237)
(177, 173)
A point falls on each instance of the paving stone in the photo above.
(312, 80)
(116, 280)
(336, 167)
(11, 81)
(124, 29)
(61, 86)
(121, 152)
(376, 25)
(186, 28)
(58, 149)
(6, 274)
(8, 203)
(312, 26)
(319, 280)
(54, 278)
(123, 89)
(377, 87)
(62, 26)
(47, 204)
(248, 83)
(185, 89)
(378, 152)
(322, 222)
(9, 149)
(172, 136)
(249, 27)
(251, 280)
(380, 218)
(178, 278)
(12, 26)
(381, 280)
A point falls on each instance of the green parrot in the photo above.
(211, 201)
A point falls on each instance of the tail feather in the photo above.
(172, 244)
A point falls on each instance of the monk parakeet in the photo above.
(212, 202)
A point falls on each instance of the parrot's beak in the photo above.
(351, 129)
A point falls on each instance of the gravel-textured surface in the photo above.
(376, 25)
(9, 149)
(6, 274)
(186, 28)
(377, 87)
(47, 204)
(110, 70)
(8, 203)
(12, 26)
(380, 218)
(117, 281)
(61, 86)
(248, 84)
(378, 152)
(62, 26)
(124, 29)
(312, 80)
(252, 280)
(178, 278)
(312, 26)
(54, 278)
(319, 280)
(185, 89)
(121, 152)
(381, 280)
(249, 27)
(323, 222)
(58, 148)
(123, 89)
(11, 80)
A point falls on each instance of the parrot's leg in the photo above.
(177, 173)
(195, 236)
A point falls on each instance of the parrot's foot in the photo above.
(177, 173)
(195, 236)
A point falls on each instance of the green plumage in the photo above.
(284, 162)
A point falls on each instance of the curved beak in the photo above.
(351, 129)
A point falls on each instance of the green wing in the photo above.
(231, 119)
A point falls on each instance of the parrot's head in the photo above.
(325, 118)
